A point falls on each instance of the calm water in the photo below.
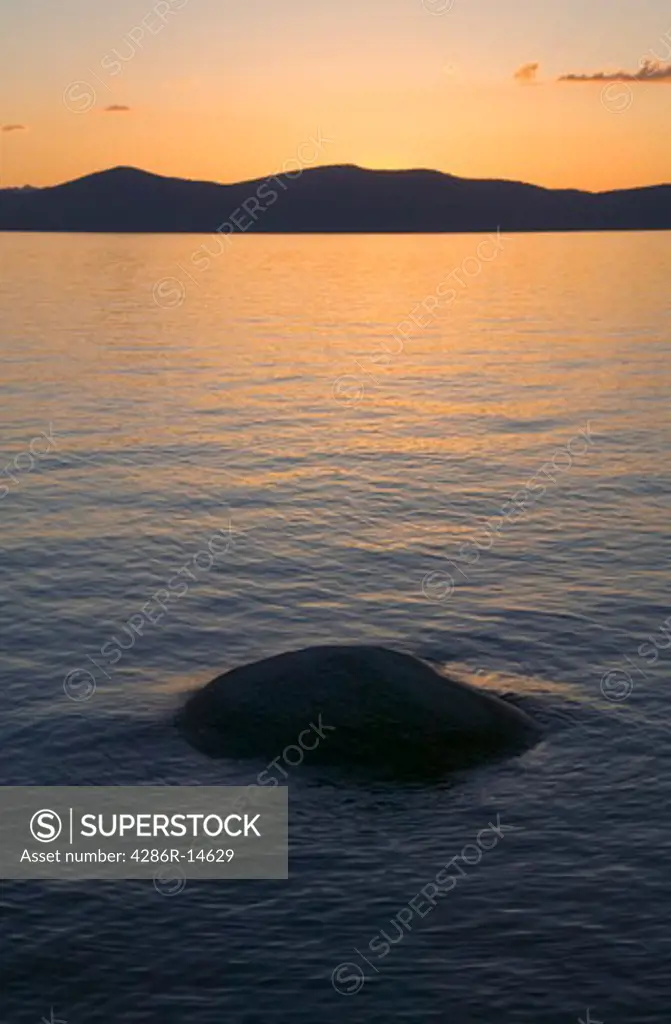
(353, 492)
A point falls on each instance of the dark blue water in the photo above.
(359, 498)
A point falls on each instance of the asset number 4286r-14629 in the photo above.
(210, 856)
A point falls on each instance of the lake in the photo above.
(458, 446)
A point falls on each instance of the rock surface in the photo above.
(353, 706)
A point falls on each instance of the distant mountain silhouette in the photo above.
(326, 199)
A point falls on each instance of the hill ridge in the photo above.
(335, 198)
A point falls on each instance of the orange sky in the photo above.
(219, 92)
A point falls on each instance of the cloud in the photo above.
(14, 128)
(527, 73)
(116, 108)
(650, 71)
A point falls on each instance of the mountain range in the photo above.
(342, 198)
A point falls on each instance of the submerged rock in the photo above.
(353, 706)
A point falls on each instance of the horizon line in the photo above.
(323, 167)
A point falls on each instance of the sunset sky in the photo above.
(225, 91)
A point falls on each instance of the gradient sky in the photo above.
(227, 90)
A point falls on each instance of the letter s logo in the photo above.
(46, 826)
